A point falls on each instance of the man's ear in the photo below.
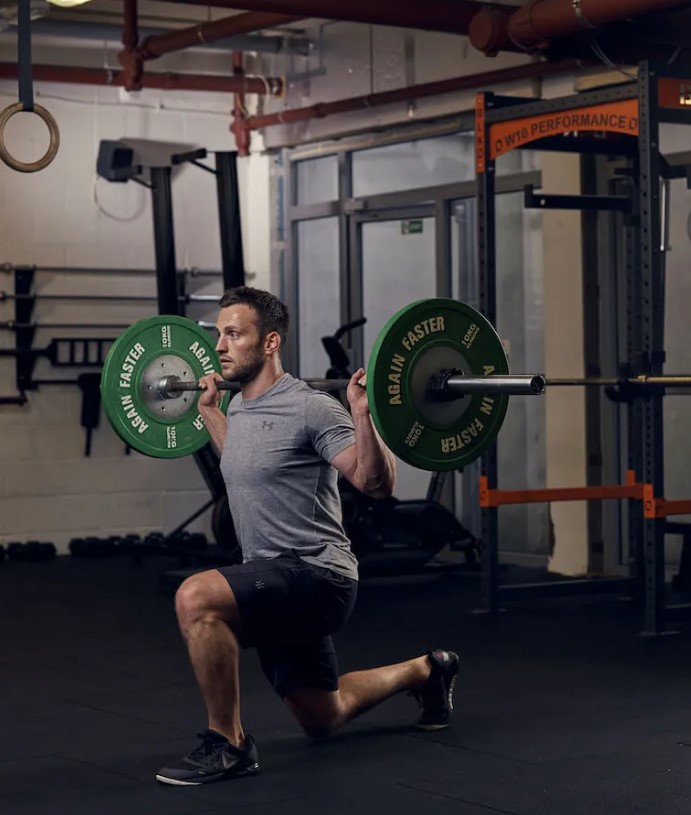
(272, 342)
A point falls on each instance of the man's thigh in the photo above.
(285, 600)
(293, 667)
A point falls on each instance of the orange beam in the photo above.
(497, 498)
(659, 508)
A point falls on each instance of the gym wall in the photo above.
(64, 216)
(362, 59)
(48, 489)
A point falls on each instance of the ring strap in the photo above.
(26, 85)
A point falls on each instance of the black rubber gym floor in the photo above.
(561, 707)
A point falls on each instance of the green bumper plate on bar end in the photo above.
(146, 352)
(425, 337)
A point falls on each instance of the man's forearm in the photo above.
(376, 466)
(217, 424)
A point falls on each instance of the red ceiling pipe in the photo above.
(156, 46)
(453, 16)
(461, 83)
(540, 21)
(239, 127)
(158, 81)
(130, 60)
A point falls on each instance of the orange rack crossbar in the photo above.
(497, 498)
(659, 508)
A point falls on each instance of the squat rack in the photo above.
(621, 120)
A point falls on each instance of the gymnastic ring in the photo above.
(32, 166)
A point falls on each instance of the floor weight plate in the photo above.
(420, 340)
(144, 354)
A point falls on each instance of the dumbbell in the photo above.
(31, 551)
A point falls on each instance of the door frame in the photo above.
(354, 267)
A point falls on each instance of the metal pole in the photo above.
(652, 343)
(487, 285)
(164, 241)
(228, 192)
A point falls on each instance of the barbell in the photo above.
(437, 384)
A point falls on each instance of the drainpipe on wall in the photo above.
(462, 83)
(134, 54)
(239, 127)
(129, 58)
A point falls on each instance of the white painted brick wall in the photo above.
(360, 59)
(48, 489)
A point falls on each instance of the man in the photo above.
(282, 448)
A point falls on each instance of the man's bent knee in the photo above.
(205, 594)
(316, 732)
(318, 712)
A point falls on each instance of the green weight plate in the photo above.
(144, 354)
(423, 338)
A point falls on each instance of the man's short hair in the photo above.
(271, 312)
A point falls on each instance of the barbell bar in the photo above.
(642, 380)
(438, 384)
(441, 386)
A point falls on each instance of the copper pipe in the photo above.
(130, 27)
(160, 81)
(461, 83)
(128, 57)
(540, 21)
(238, 127)
(155, 46)
(434, 15)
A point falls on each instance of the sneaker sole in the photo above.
(429, 727)
(253, 770)
(452, 687)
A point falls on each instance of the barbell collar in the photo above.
(524, 385)
(450, 385)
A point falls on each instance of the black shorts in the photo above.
(288, 610)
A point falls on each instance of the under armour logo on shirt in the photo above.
(267, 425)
(259, 584)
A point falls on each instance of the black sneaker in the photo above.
(214, 760)
(435, 697)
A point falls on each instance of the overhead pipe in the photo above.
(130, 60)
(160, 44)
(238, 126)
(461, 83)
(538, 22)
(434, 15)
(156, 81)
(262, 44)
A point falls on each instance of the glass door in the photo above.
(394, 260)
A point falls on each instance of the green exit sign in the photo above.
(411, 227)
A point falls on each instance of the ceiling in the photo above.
(661, 36)
(629, 39)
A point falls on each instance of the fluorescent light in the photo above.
(67, 3)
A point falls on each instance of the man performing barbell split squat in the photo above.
(283, 446)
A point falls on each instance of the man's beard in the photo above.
(250, 368)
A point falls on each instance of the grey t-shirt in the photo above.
(282, 490)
